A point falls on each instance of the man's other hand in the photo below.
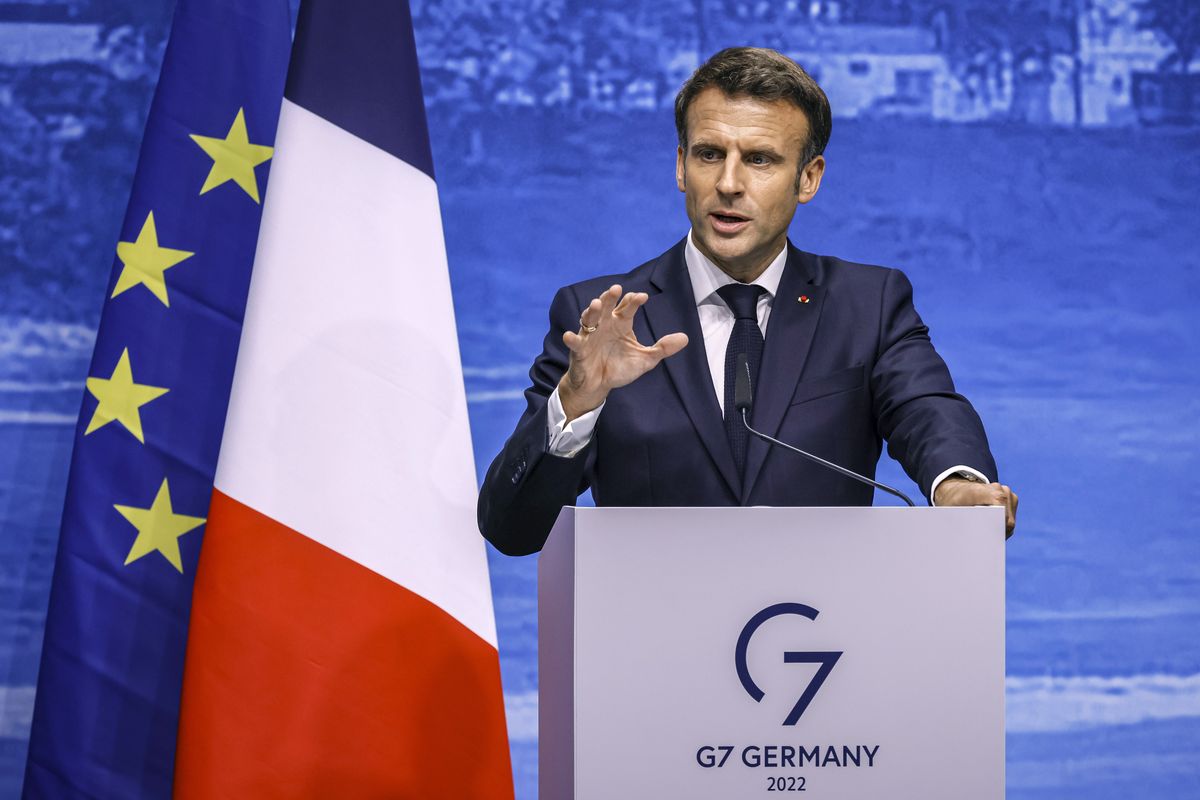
(960, 492)
(605, 354)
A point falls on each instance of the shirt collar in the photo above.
(707, 277)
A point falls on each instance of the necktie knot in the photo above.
(742, 299)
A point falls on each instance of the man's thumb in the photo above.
(671, 344)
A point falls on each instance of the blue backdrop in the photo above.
(1032, 164)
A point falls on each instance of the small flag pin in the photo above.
(802, 298)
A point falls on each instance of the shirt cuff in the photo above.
(566, 439)
(960, 470)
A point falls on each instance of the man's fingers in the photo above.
(608, 301)
(1002, 495)
(1010, 512)
(629, 304)
(600, 308)
(964, 493)
(590, 314)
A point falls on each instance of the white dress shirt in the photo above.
(716, 324)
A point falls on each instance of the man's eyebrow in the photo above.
(765, 150)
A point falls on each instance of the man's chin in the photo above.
(725, 251)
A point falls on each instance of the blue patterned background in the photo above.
(1032, 164)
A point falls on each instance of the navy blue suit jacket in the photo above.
(841, 373)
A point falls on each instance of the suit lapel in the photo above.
(794, 316)
(674, 309)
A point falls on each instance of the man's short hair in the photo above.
(764, 75)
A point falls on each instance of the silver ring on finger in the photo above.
(587, 328)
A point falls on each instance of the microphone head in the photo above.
(743, 397)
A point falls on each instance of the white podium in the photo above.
(737, 652)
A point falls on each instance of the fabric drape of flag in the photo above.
(343, 642)
(339, 633)
(146, 445)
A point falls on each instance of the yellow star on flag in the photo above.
(145, 262)
(234, 157)
(159, 528)
(120, 398)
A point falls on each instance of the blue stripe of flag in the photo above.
(357, 68)
(108, 691)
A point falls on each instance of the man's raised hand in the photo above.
(605, 354)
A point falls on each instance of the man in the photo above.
(839, 358)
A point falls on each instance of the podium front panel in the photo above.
(732, 653)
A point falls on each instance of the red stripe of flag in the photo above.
(309, 675)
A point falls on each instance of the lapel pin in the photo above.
(802, 298)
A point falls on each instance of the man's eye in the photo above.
(708, 155)
(759, 160)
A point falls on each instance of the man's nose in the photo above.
(730, 181)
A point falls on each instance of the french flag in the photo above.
(342, 641)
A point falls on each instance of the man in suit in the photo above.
(838, 356)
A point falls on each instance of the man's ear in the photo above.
(680, 170)
(810, 179)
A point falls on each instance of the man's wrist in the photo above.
(947, 485)
(566, 439)
(959, 474)
(575, 404)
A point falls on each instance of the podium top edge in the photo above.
(792, 509)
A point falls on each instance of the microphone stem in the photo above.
(831, 465)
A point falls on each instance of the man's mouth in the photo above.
(725, 222)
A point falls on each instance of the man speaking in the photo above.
(837, 356)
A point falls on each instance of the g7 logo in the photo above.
(826, 658)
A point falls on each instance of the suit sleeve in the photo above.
(929, 427)
(526, 486)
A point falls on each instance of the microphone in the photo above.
(743, 399)
(742, 396)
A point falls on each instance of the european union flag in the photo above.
(148, 436)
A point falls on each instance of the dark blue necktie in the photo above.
(742, 299)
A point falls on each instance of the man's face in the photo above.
(739, 177)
